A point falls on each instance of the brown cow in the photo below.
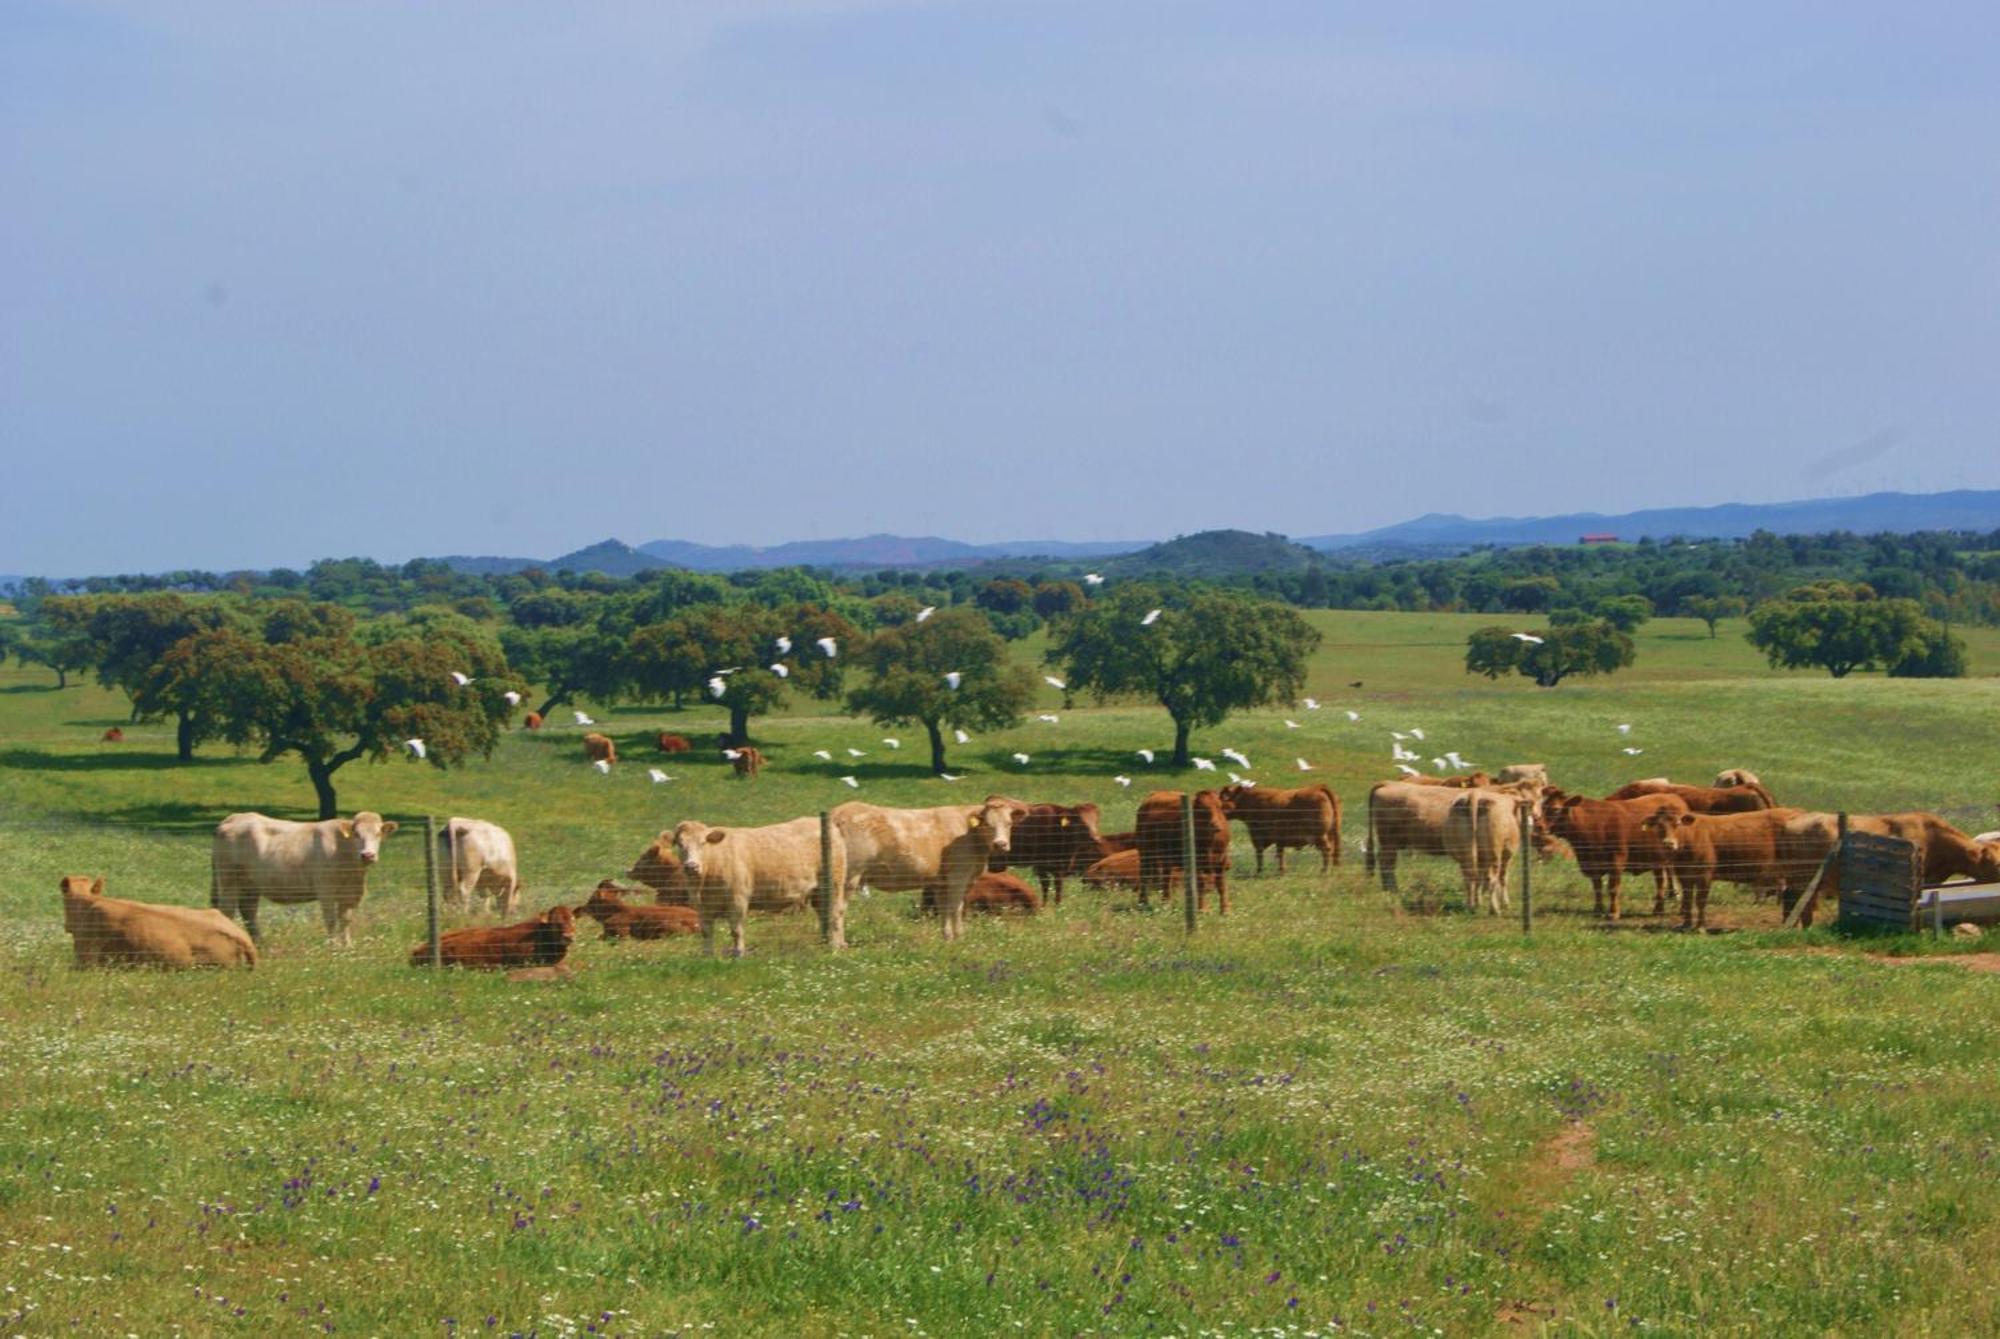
(1607, 838)
(674, 743)
(1307, 816)
(112, 932)
(1710, 848)
(1056, 841)
(533, 720)
(1159, 835)
(1943, 851)
(746, 760)
(608, 908)
(541, 942)
(1741, 798)
(114, 736)
(1120, 869)
(991, 893)
(599, 748)
(659, 868)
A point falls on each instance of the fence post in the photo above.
(431, 889)
(1527, 870)
(1190, 878)
(825, 873)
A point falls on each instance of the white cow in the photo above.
(938, 852)
(735, 871)
(478, 857)
(290, 863)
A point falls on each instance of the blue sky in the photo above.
(281, 282)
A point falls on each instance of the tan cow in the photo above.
(1403, 817)
(1736, 776)
(290, 863)
(735, 871)
(1482, 833)
(1308, 816)
(112, 932)
(599, 748)
(915, 850)
(1523, 771)
(478, 857)
(1710, 848)
(1943, 851)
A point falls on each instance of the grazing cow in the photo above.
(1120, 869)
(1943, 851)
(599, 748)
(114, 736)
(1707, 848)
(1405, 817)
(1307, 816)
(478, 857)
(659, 868)
(1607, 838)
(991, 893)
(541, 942)
(735, 871)
(913, 850)
(533, 720)
(746, 760)
(1736, 776)
(608, 908)
(1523, 771)
(1056, 841)
(325, 862)
(1738, 799)
(112, 932)
(674, 743)
(1482, 832)
(1159, 833)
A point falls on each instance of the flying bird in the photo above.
(1053, 682)
(1150, 619)
(781, 670)
(513, 698)
(1122, 780)
(1146, 755)
(1439, 763)
(1236, 757)
(1456, 761)
(850, 782)
(603, 767)
(1398, 736)
(961, 736)
(856, 753)
(926, 612)
(822, 755)
(658, 776)
(1304, 766)
(1092, 579)
(460, 679)
(1047, 717)
(828, 645)
(582, 719)
(416, 748)
(1021, 758)
(893, 743)
(1353, 715)
(953, 678)
(1418, 733)
(784, 646)
(1401, 754)
(1527, 637)
(717, 685)
(1407, 770)
(1312, 704)
(1203, 765)
(1628, 749)
(1236, 780)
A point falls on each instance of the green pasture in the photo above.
(1329, 1112)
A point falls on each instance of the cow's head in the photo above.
(993, 822)
(366, 830)
(604, 900)
(691, 843)
(81, 885)
(1668, 826)
(659, 867)
(1736, 776)
(1230, 796)
(1985, 863)
(561, 922)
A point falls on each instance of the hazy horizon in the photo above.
(286, 283)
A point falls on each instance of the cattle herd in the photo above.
(956, 857)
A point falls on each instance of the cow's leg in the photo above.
(737, 915)
(1615, 879)
(1385, 861)
(1659, 890)
(1281, 859)
(1687, 901)
(1701, 906)
(246, 908)
(706, 919)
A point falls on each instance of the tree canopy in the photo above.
(1207, 654)
(1560, 652)
(735, 646)
(907, 665)
(1840, 627)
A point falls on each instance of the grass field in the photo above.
(1326, 1113)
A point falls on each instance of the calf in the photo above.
(112, 932)
(541, 942)
(1707, 848)
(533, 720)
(1307, 816)
(1608, 838)
(991, 893)
(114, 736)
(746, 760)
(674, 743)
(620, 921)
(1120, 869)
(1056, 841)
(599, 748)
(1159, 837)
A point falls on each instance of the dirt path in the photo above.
(1971, 962)
(1542, 1180)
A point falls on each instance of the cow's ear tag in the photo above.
(972, 822)
(1063, 822)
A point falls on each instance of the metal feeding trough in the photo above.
(1955, 902)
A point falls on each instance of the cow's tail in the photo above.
(1374, 842)
(1333, 800)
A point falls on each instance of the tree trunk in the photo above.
(184, 737)
(556, 699)
(62, 678)
(1181, 729)
(739, 725)
(322, 779)
(937, 746)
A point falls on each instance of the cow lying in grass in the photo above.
(112, 932)
(608, 908)
(990, 894)
(541, 942)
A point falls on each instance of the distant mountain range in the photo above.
(616, 558)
